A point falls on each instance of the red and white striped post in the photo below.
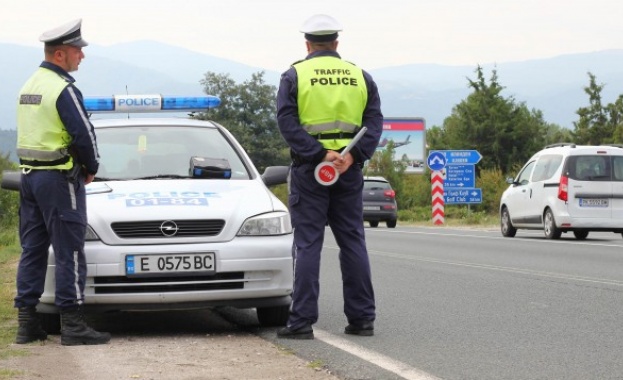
(436, 177)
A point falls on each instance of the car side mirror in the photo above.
(11, 179)
(275, 175)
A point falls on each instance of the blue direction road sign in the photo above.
(462, 176)
(436, 160)
(459, 196)
(457, 157)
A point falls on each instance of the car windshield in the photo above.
(153, 152)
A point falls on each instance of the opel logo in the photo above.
(169, 228)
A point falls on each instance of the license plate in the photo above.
(593, 202)
(172, 263)
(371, 208)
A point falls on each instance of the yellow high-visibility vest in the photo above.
(42, 139)
(332, 95)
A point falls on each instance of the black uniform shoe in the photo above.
(29, 326)
(305, 332)
(75, 331)
(363, 329)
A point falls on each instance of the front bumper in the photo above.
(250, 272)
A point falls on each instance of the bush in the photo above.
(493, 183)
(9, 209)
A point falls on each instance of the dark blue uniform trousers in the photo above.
(52, 210)
(311, 205)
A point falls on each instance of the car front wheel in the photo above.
(549, 226)
(506, 225)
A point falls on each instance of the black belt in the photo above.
(334, 136)
(35, 163)
(298, 160)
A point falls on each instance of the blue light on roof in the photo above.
(149, 103)
(97, 104)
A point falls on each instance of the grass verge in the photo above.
(9, 256)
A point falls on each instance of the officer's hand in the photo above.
(331, 156)
(89, 178)
(343, 163)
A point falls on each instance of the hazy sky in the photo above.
(265, 33)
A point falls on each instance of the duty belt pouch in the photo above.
(74, 173)
(206, 167)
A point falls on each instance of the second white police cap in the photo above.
(321, 28)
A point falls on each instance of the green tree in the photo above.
(503, 131)
(599, 123)
(248, 111)
(383, 164)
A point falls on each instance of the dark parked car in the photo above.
(379, 202)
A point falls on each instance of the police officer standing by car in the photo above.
(58, 155)
(321, 104)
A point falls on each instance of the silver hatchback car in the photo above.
(379, 202)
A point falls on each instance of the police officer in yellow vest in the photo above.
(321, 103)
(58, 155)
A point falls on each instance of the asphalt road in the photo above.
(451, 303)
(470, 304)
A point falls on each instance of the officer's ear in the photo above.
(55, 53)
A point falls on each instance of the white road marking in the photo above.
(462, 235)
(501, 268)
(399, 368)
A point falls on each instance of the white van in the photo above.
(566, 187)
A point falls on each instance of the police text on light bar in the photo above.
(149, 103)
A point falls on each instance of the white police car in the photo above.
(179, 218)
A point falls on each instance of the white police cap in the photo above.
(67, 34)
(321, 28)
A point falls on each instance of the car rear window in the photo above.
(595, 168)
(376, 185)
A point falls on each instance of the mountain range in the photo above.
(554, 85)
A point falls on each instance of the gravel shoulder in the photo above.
(181, 345)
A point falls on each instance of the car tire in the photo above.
(51, 323)
(391, 223)
(549, 226)
(580, 235)
(506, 226)
(273, 316)
(374, 224)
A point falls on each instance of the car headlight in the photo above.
(274, 223)
(90, 235)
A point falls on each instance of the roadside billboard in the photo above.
(409, 138)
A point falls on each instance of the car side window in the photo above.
(546, 166)
(617, 168)
(523, 178)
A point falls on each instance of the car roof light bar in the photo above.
(149, 103)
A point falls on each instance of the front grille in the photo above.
(168, 228)
(122, 284)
